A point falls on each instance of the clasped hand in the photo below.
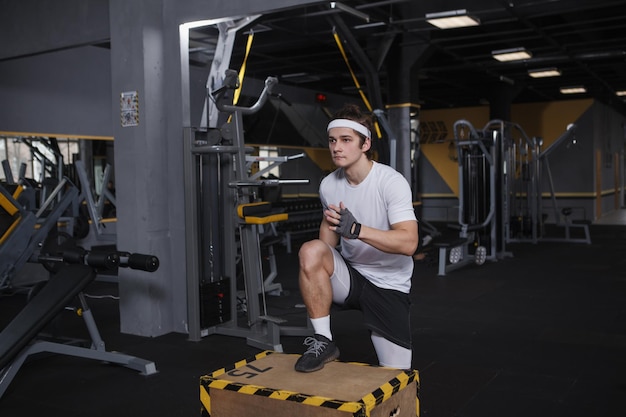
(343, 220)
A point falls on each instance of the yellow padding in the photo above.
(8, 205)
(17, 192)
(244, 210)
(259, 213)
(10, 230)
(12, 210)
(267, 219)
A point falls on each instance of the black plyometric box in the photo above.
(215, 299)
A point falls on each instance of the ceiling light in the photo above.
(573, 90)
(621, 93)
(350, 10)
(512, 54)
(544, 72)
(452, 19)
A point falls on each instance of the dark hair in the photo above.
(353, 112)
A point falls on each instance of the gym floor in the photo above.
(540, 333)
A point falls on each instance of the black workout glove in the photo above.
(348, 227)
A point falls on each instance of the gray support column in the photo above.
(147, 163)
(400, 121)
(403, 98)
(500, 100)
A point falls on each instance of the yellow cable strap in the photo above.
(242, 70)
(356, 81)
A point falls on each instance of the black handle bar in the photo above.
(231, 82)
(103, 260)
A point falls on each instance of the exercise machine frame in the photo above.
(217, 184)
(75, 268)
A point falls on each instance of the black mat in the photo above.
(542, 333)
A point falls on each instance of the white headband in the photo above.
(350, 123)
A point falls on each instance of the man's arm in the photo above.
(402, 238)
(327, 235)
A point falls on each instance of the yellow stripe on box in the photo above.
(205, 399)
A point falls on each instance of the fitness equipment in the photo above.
(222, 216)
(566, 223)
(24, 230)
(228, 29)
(95, 206)
(8, 172)
(478, 158)
(77, 268)
(27, 194)
(500, 173)
(523, 165)
(264, 216)
(49, 168)
(521, 195)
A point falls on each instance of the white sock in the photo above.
(321, 326)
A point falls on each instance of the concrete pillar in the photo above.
(403, 98)
(150, 303)
(500, 99)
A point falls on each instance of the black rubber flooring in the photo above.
(541, 333)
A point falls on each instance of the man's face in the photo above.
(345, 146)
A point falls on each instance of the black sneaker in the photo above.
(320, 351)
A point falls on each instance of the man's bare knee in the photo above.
(312, 255)
(311, 251)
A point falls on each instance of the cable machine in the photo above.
(524, 164)
(500, 196)
(521, 194)
(224, 217)
(479, 238)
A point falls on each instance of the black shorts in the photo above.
(385, 311)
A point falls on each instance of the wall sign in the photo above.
(129, 107)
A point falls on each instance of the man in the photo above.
(363, 256)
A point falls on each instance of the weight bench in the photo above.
(16, 227)
(18, 338)
(23, 231)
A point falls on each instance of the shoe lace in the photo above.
(315, 347)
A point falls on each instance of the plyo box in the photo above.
(268, 386)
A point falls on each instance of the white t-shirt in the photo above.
(382, 199)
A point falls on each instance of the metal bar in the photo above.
(191, 238)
